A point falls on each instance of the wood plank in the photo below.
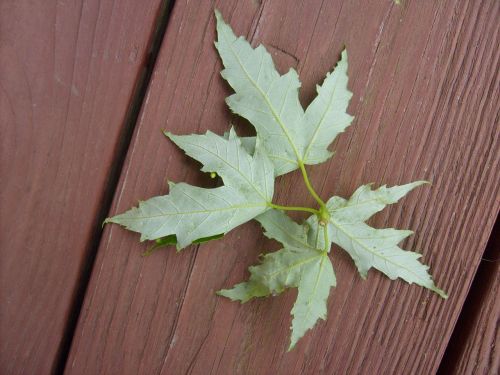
(424, 77)
(473, 348)
(68, 73)
(480, 354)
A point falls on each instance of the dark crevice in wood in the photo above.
(482, 282)
(137, 98)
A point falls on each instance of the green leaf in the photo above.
(270, 102)
(281, 269)
(377, 248)
(308, 270)
(266, 99)
(327, 115)
(287, 138)
(366, 202)
(280, 227)
(245, 291)
(172, 240)
(159, 243)
(293, 236)
(191, 212)
(314, 288)
(251, 175)
(298, 265)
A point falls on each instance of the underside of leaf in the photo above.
(270, 101)
(191, 212)
(250, 173)
(377, 248)
(314, 288)
(298, 265)
(288, 138)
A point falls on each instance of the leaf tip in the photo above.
(226, 293)
(440, 292)
(343, 54)
(218, 16)
(293, 342)
(407, 232)
(419, 182)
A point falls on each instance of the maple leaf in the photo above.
(270, 102)
(288, 138)
(192, 213)
(298, 265)
(377, 248)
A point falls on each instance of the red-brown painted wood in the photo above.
(425, 82)
(68, 71)
(474, 348)
(480, 352)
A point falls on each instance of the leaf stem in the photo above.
(322, 213)
(293, 208)
(309, 186)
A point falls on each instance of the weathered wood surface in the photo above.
(474, 346)
(68, 71)
(480, 350)
(425, 82)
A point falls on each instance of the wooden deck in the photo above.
(86, 88)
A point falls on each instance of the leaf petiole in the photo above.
(309, 186)
(322, 213)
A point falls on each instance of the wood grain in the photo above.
(473, 347)
(425, 82)
(68, 71)
(480, 350)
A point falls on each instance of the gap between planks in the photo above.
(473, 305)
(134, 109)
